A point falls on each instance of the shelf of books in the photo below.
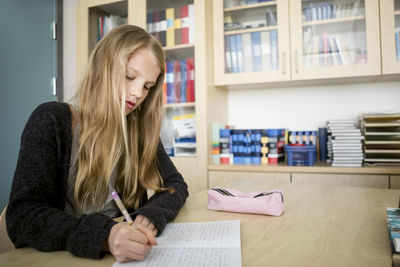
(251, 40)
(172, 23)
(335, 38)
(103, 18)
(94, 20)
(390, 20)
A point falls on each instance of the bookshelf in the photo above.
(178, 47)
(316, 40)
(334, 20)
(301, 27)
(390, 29)
(192, 167)
(260, 29)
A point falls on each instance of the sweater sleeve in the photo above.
(163, 207)
(35, 213)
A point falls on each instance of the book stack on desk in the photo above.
(344, 143)
(382, 138)
(393, 223)
(184, 143)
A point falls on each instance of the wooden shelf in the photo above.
(179, 105)
(94, 3)
(318, 168)
(335, 20)
(244, 7)
(397, 12)
(261, 29)
(178, 47)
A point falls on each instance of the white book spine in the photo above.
(191, 23)
(266, 50)
(247, 55)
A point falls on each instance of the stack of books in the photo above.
(172, 26)
(382, 138)
(393, 222)
(250, 52)
(273, 145)
(179, 81)
(107, 23)
(344, 143)
(184, 143)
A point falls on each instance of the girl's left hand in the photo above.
(140, 219)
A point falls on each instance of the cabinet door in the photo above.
(394, 181)
(228, 178)
(378, 181)
(251, 41)
(339, 38)
(390, 20)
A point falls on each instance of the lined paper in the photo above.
(195, 244)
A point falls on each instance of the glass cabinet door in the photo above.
(390, 31)
(172, 23)
(335, 38)
(397, 28)
(251, 40)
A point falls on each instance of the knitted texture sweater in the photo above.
(35, 214)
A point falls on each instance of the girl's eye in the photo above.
(146, 88)
(130, 78)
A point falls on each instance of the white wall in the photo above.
(295, 108)
(69, 47)
(307, 108)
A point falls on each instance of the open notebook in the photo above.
(195, 244)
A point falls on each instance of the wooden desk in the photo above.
(322, 226)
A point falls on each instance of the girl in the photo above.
(73, 156)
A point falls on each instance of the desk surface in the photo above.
(322, 226)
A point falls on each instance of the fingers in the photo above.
(140, 219)
(148, 233)
(128, 243)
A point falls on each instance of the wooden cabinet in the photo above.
(394, 181)
(366, 176)
(194, 167)
(258, 50)
(317, 39)
(224, 178)
(360, 180)
(390, 30)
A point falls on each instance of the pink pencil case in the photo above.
(267, 202)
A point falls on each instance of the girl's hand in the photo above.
(140, 219)
(130, 242)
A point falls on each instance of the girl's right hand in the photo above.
(130, 242)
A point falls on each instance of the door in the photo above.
(28, 60)
(334, 39)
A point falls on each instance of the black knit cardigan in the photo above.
(35, 214)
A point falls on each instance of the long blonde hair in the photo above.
(108, 139)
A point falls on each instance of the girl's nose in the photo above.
(136, 90)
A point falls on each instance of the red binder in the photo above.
(190, 95)
(185, 24)
(177, 81)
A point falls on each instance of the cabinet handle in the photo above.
(284, 62)
(296, 62)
